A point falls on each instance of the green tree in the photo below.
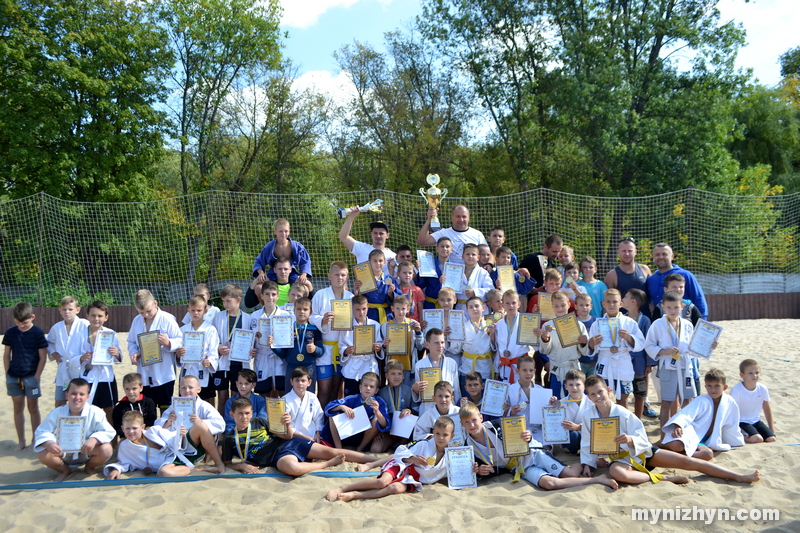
(78, 85)
(790, 62)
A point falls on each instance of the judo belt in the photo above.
(381, 311)
(509, 362)
(335, 347)
(655, 478)
(462, 302)
(476, 356)
(433, 301)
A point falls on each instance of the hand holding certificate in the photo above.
(432, 376)
(104, 341)
(567, 329)
(241, 344)
(604, 431)
(427, 268)
(71, 431)
(545, 301)
(276, 408)
(505, 273)
(398, 337)
(282, 331)
(342, 315)
(363, 339)
(193, 342)
(453, 274)
(459, 467)
(703, 339)
(528, 322)
(494, 398)
(347, 427)
(605, 326)
(455, 321)
(184, 408)
(363, 273)
(265, 328)
(434, 318)
(403, 427)
(513, 443)
(552, 425)
(149, 348)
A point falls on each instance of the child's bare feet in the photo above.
(602, 462)
(678, 480)
(333, 494)
(333, 461)
(19, 447)
(210, 469)
(749, 478)
(89, 471)
(366, 467)
(603, 479)
(62, 476)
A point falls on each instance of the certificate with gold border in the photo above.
(363, 273)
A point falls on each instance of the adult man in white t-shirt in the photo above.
(380, 233)
(460, 233)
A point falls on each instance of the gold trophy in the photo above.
(434, 196)
(372, 207)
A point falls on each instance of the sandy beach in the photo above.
(279, 504)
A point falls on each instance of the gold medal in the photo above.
(497, 317)
(614, 349)
(300, 357)
(431, 461)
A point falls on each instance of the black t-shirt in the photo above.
(263, 446)
(25, 346)
(534, 265)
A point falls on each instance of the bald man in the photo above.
(628, 274)
(459, 233)
(662, 259)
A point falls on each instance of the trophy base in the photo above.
(342, 212)
(435, 224)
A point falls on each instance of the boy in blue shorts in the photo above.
(24, 356)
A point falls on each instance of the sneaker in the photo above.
(648, 411)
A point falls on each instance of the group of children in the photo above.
(321, 377)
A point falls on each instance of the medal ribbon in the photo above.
(246, 444)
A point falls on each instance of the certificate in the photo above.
(454, 274)
(348, 427)
(363, 339)
(282, 331)
(103, 341)
(427, 268)
(434, 318)
(455, 321)
(494, 398)
(505, 274)
(432, 376)
(398, 337)
(184, 408)
(513, 443)
(604, 431)
(609, 332)
(545, 301)
(342, 315)
(276, 408)
(149, 349)
(403, 427)
(554, 431)
(540, 397)
(193, 342)
(527, 323)
(71, 431)
(567, 329)
(241, 344)
(363, 273)
(459, 467)
(265, 328)
(705, 334)
(459, 438)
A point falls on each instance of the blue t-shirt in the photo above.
(25, 347)
(595, 290)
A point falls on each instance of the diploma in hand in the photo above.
(604, 326)
(432, 376)
(363, 273)
(265, 328)
(102, 343)
(193, 342)
(545, 302)
(348, 427)
(241, 344)
(459, 467)
(705, 334)
(363, 339)
(494, 398)
(453, 274)
(342, 315)
(604, 431)
(398, 337)
(527, 323)
(282, 331)
(71, 432)
(505, 274)
(149, 349)
(553, 430)
(513, 443)
(276, 407)
(459, 437)
(427, 268)
(567, 329)
(184, 408)
(455, 321)
(434, 318)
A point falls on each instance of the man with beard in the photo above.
(537, 263)
(662, 259)
(628, 274)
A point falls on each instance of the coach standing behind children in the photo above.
(459, 233)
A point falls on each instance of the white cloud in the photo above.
(338, 87)
(305, 13)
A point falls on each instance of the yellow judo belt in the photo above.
(381, 311)
(476, 356)
(433, 301)
(655, 478)
(335, 355)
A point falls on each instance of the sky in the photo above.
(317, 28)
